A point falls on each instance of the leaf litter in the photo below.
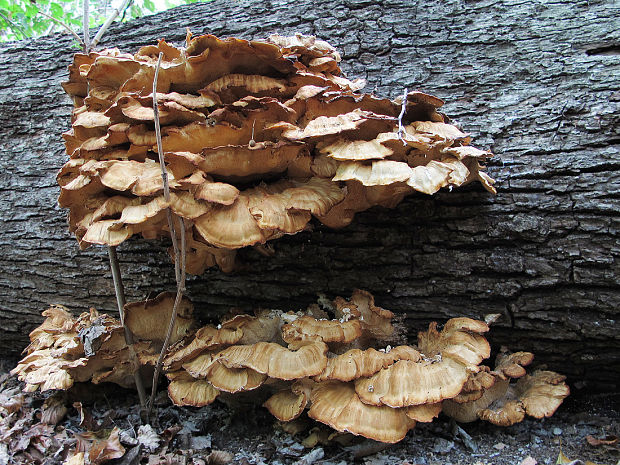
(99, 424)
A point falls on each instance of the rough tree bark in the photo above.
(536, 82)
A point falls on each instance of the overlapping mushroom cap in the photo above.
(65, 350)
(258, 138)
(495, 399)
(301, 362)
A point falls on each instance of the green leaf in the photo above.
(56, 11)
(4, 4)
(149, 5)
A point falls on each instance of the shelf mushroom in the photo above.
(258, 137)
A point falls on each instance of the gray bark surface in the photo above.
(536, 82)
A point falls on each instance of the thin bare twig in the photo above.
(64, 25)
(85, 27)
(120, 300)
(14, 26)
(179, 262)
(401, 128)
(108, 23)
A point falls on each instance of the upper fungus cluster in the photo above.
(258, 137)
(322, 362)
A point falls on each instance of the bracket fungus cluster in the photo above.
(258, 138)
(321, 363)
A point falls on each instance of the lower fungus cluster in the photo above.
(258, 137)
(322, 363)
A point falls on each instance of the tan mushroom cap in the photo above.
(309, 328)
(476, 385)
(239, 162)
(509, 413)
(276, 361)
(460, 340)
(337, 405)
(264, 327)
(467, 412)
(355, 150)
(409, 382)
(424, 413)
(376, 320)
(234, 379)
(326, 125)
(217, 192)
(107, 232)
(206, 338)
(289, 404)
(538, 395)
(149, 319)
(541, 393)
(266, 212)
(510, 365)
(442, 131)
(184, 390)
(356, 363)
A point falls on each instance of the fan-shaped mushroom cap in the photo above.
(326, 125)
(424, 413)
(276, 361)
(460, 340)
(57, 320)
(186, 390)
(206, 338)
(507, 413)
(225, 379)
(377, 173)
(230, 226)
(149, 319)
(355, 150)
(41, 369)
(289, 404)
(441, 131)
(541, 393)
(376, 320)
(409, 382)
(107, 232)
(266, 212)
(264, 327)
(337, 405)
(302, 45)
(476, 385)
(239, 162)
(309, 328)
(356, 363)
(510, 365)
(469, 411)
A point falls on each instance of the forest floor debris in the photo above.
(48, 428)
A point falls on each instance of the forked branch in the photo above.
(179, 262)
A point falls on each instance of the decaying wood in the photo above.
(541, 92)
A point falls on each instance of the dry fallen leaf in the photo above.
(606, 441)
(529, 460)
(75, 459)
(54, 410)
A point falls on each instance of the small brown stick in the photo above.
(108, 23)
(401, 128)
(179, 262)
(85, 27)
(120, 301)
(66, 26)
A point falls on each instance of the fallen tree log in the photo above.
(536, 84)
